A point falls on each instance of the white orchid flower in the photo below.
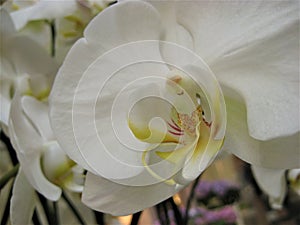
(44, 166)
(25, 66)
(251, 47)
(43, 162)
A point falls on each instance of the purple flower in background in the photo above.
(197, 211)
(226, 215)
(203, 216)
(203, 189)
(221, 187)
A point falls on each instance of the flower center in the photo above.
(185, 123)
(189, 123)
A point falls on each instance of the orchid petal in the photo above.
(40, 32)
(103, 195)
(294, 179)
(217, 28)
(273, 183)
(55, 162)
(37, 112)
(7, 28)
(117, 23)
(28, 145)
(252, 47)
(22, 51)
(23, 200)
(25, 132)
(209, 138)
(89, 50)
(268, 81)
(4, 111)
(148, 123)
(204, 153)
(43, 9)
(268, 154)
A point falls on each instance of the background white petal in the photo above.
(273, 183)
(28, 145)
(37, 112)
(43, 9)
(7, 28)
(23, 200)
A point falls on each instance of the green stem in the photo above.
(165, 210)
(73, 208)
(53, 37)
(5, 216)
(159, 214)
(8, 175)
(10, 148)
(48, 209)
(135, 218)
(188, 205)
(177, 213)
(56, 213)
(99, 217)
(35, 218)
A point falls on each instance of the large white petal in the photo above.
(266, 74)
(106, 196)
(22, 201)
(122, 27)
(84, 53)
(216, 28)
(280, 152)
(273, 183)
(252, 47)
(28, 145)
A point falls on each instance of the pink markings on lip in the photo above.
(178, 134)
(175, 124)
(175, 127)
(177, 130)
